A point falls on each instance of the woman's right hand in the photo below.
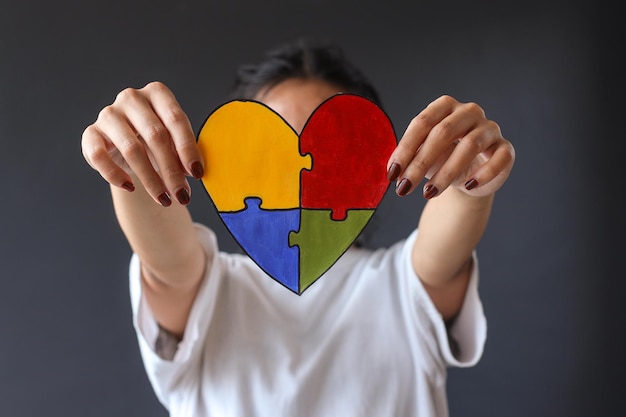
(145, 136)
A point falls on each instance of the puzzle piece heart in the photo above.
(294, 203)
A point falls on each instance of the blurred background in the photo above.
(552, 278)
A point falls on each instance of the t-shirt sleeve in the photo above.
(166, 375)
(462, 343)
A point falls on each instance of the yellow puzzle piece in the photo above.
(249, 151)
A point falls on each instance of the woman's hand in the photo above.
(451, 144)
(145, 135)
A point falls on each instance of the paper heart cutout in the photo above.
(294, 203)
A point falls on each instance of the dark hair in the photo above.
(303, 58)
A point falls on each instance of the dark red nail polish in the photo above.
(197, 170)
(182, 196)
(165, 200)
(430, 191)
(394, 172)
(403, 187)
(128, 186)
(471, 184)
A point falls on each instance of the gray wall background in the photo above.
(552, 277)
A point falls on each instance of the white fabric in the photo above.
(363, 340)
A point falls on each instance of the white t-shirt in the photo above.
(363, 340)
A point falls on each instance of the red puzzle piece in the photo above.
(344, 135)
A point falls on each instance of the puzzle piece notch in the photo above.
(275, 256)
(322, 240)
(350, 139)
(249, 150)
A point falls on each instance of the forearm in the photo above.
(162, 237)
(450, 227)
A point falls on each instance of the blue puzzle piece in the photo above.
(264, 235)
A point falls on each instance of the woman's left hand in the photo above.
(451, 144)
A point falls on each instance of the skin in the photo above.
(144, 147)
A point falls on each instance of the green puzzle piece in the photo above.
(323, 240)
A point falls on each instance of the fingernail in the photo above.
(471, 184)
(394, 172)
(197, 170)
(403, 187)
(430, 191)
(182, 196)
(128, 186)
(165, 200)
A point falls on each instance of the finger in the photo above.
(95, 149)
(158, 143)
(416, 133)
(499, 160)
(179, 127)
(465, 151)
(169, 167)
(122, 135)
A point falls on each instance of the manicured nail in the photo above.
(197, 170)
(182, 196)
(394, 172)
(128, 186)
(403, 187)
(165, 200)
(430, 191)
(471, 184)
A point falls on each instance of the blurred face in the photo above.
(296, 98)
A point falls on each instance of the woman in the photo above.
(374, 336)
